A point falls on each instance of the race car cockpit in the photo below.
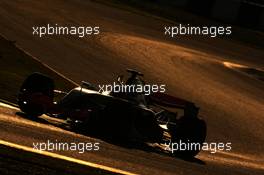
(131, 84)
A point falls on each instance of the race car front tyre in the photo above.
(35, 92)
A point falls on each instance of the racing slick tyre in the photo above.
(187, 137)
(35, 92)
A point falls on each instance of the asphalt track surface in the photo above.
(231, 101)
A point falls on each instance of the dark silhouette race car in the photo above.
(157, 118)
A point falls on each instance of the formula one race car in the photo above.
(157, 118)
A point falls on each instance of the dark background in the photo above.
(245, 13)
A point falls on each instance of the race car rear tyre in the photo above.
(187, 137)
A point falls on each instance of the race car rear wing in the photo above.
(167, 100)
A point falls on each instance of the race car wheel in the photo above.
(34, 104)
(187, 137)
(35, 94)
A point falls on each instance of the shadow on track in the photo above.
(125, 144)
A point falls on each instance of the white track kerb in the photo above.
(62, 157)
